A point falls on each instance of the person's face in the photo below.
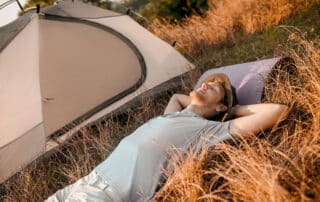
(209, 95)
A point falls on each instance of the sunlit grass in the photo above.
(280, 165)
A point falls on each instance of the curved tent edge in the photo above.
(115, 98)
(167, 85)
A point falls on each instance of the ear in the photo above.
(221, 108)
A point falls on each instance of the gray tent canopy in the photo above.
(67, 67)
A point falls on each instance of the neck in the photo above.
(202, 111)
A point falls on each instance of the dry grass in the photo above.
(280, 165)
(78, 156)
(227, 17)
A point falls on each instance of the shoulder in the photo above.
(217, 127)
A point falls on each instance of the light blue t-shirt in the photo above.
(134, 168)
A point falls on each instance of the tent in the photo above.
(70, 65)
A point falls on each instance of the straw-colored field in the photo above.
(282, 164)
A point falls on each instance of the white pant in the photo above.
(89, 188)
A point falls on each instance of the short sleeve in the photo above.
(216, 132)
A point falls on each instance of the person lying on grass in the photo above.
(133, 170)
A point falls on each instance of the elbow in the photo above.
(175, 96)
(284, 109)
(282, 112)
(276, 115)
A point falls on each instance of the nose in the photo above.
(204, 86)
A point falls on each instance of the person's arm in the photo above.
(255, 118)
(176, 103)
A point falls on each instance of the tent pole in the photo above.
(174, 42)
(20, 6)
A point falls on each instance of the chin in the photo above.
(196, 97)
(192, 94)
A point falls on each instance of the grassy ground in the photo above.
(280, 165)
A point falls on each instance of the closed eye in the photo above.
(213, 86)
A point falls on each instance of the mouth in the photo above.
(202, 91)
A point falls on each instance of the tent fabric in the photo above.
(78, 10)
(22, 136)
(20, 99)
(80, 63)
(21, 151)
(248, 78)
(160, 57)
(10, 31)
(62, 82)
